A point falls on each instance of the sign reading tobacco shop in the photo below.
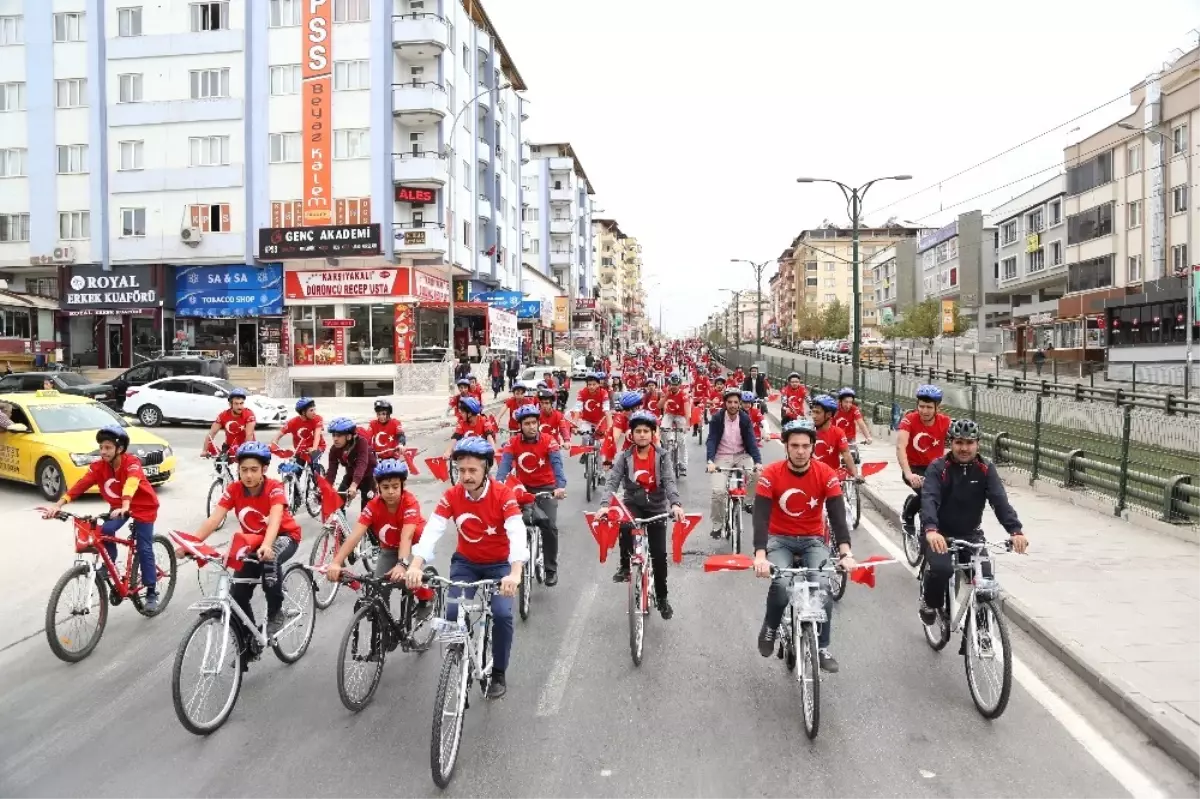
(123, 287)
(325, 241)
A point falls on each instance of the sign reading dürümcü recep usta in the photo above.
(123, 287)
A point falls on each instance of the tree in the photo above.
(810, 323)
(835, 320)
(924, 321)
(716, 338)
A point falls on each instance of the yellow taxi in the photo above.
(59, 442)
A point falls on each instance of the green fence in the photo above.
(1139, 457)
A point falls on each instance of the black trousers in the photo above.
(912, 503)
(939, 568)
(285, 547)
(365, 488)
(547, 520)
(656, 537)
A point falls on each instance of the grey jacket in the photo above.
(621, 474)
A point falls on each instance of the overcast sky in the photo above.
(693, 119)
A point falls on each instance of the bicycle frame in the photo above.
(473, 615)
(95, 542)
(960, 613)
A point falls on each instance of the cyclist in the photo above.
(701, 388)
(124, 486)
(352, 449)
(237, 421)
(787, 529)
(627, 403)
(472, 423)
(593, 404)
(650, 392)
(757, 383)
(548, 379)
(731, 444)
(394, 517)
(517, 399)
(644, 473)
(563, 392)
(552, 421)
(491, 544)
(386, 432)
(920, 440)
(793, 399)
(956, 488)
(751, 405)
(307, 432)
(539, 466)
(464, 390)
(260, 506)
(831, 447)
(475, 388)
(849, 418)
(676, 410)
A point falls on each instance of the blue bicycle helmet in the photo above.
(643, 419)
(749, 396)
(470, 405)
(391, 468)
(238, 392)
(601, 376)
(525, 411)
(929, 392)
(462, 381)
(798, 426)
(254, 449)
(629, 400)
(342, 426)
(847, 391)
(474, 446)
(115, 434)
(827, 402)
(304, 403)
(591, 376)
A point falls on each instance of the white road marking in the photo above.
(1112, 759)
(556, 684)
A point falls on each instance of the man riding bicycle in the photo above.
(789, 524)
(352, 449)
(920, 440)
(793, 398)
(849, 417)
(539, 464)
(676, 409)
(551, 420)
(237, 421)
(731, 445)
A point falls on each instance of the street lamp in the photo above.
(854, 198)
(758, 270)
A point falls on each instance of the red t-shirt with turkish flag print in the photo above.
(798, 499)
(531, 460)
(234, 426)
(830, 444)
(385, 438)
(553, 424)
(847, 421)
(645, 470)
(143, 507)
(926, 443)
(253, 511)
(303, 431)
(481, 534)
(387, 524)
(675, 403)
(512, 403)
(793, 400)
(481, 426)
(592, 402)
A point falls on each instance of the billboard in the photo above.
(327, 241)
(947, 316)
(316, 136)
(235, 290)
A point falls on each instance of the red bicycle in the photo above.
(90, 587)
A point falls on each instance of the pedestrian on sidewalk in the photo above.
(514, 369)
(463, 369)
(1039, 360)
(496, 371)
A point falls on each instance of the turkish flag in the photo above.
(522, 494)
(331, 502)
(439, 469)
(241, 546)
(874, 467)
(410, 459)
(210, 449)
(864, 573)
(285, 454)
(721, 563)
(606, 525)
(695, 415)
(578, 449)
(773, 397)
(608, 450)
(679, 533)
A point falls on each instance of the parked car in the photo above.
(63, 382)
(195, 399)
(808, 345)
(170, 366)
(579, 367)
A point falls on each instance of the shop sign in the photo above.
(414, 194)
(947, 316)
(412, 238)
(271, 354)
(938, 236)
(339, 283)
(325, 241)
(1043, 318)
(507, 300)
(502, 330)
(427, 288)
(1033, 242)
(122, 287)
(405, 331)
(530, 309)
(317, 108)
(560, 314)
(60, 255)
(465, 288)
(585, 304)
(236, 290)
(547, 314)
(337, 323)
(527, 339)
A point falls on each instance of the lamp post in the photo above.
(758, 271)
(854, 198)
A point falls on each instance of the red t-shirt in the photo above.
(550, 383)
(645, 470)
(531, 462)
(385, 438)
(831, 443)
(621, 421)
(143, 507)
(793, 400)
(481, 534)
(476, 391)
(453, 403)
(388, 524)
(632, 382)
(675, 403)
(252, 512)
(650, 398)
(799, 499)
(553, 424)
(481, 426)
(303, 431)
(512, 403)
(234, 426)
(847, 421)
(756, 419)
(592, 401)
(926, 443)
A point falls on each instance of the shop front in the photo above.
(233, 311)
(535, 322)
(108, 315)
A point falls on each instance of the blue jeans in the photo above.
(143, 534)
(465, 571)
(812, 553)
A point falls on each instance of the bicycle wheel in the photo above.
(214, 495)
(74, 629)
(323, 550)
(360, 664)
(453, 469)
(637, 614)
(589, 468)
(299, 597)
(291, 490)
(912, 547)
(449, 712)
(937, 635)
(989, 631)
(421, 634)
(837, 583)
(218, 647)
(809, 676)
(853, 504)
(166, 567)
(312, 498)
(735, 516)
(525, 589)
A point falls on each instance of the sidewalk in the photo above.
(1118, 604)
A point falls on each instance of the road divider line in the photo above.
(555, 688)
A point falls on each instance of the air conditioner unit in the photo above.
(191, 235)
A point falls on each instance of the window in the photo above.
(1179, 140)
(529, 214)
(12, 96)
(210, 83)
(14, 227)
(1087, 275)
(1055, 212)
(1090, 174)
(1134, 212)
(1035, 261)
(129, 88)
(830, 266)
(466, 58)
(811, 281)
(348, 144)
(133, 222)
(129, 21)
(466, 175)
(350, 75)
(209, 218)
(1133, 270)
(1034, 221)
(68, 27)
(1090, 224)
(42, 286)
(209, 150)
(535, 247)
(450, 34)
(12, 30)
(830, 282)
(285, 148)
(74, 225)
(72, 159)
(1179, 260)
(830, 298)
(810, 266)
(1179, 199)
(12, 162)
(1008, 268)
(286, 13)
(15, 324)
(953, 276)
(131, 155)
(351, 10)
(466, 234)
(1008, 232)
(1056, 253)
(211, 16)
(71, 92)
(1133, 159)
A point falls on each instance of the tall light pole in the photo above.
(758, 270)
(854, 198)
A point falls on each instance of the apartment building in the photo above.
(634, 318)
(557, 218)
(958, 262)
(609, 265)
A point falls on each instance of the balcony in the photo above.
(562, 165)
(485, 207)
(560, 257)
(422, 167)
(524, 149)
(484, 263)
(418, 29)
(485, 96)
(427, 237)
(483, 151)
(560, 226)
(420, 101)
(561, 195)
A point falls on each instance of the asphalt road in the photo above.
(703, 716)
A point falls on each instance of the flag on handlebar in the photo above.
(285, 454)
(241, 546)
(608, 450)
(874, 467)
(721, 563)
(331, 502)
(522, 494)
(578, 449)
(773, 396)
(864, 573)
(606, 525)
(410, 458)
(210, 449)
(696, 415)
(439, 469)
(679, 533)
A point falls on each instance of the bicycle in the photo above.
(641, 586)
(363, 654)
(734, 500)
(224, 478)
(239, 640)
(978, 616)
(536, 569)
(672, 442)
(467, 659)
(334, 532)
(299, 481)
(98, 584)
(591, 464)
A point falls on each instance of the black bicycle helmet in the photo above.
(383, 405)
(964, 428)
(115, 434)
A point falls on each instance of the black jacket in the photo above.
(954, 494)
(759, 386)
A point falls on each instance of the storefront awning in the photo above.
(460, 308)
(18, 300)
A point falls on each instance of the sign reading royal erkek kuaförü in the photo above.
(90, 288)
(317, 111)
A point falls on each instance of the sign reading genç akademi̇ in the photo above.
(324, 241)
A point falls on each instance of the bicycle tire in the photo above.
(377, 653)
(912, 547)
(301, 593)
(589, 469)
(637, 617)
(162, 547)
(1001, 626)
(214, 495)
(321, 554)
(177, 699)
(837, 583)
(291, 490)
(455, 670)
(452, 468)
(735, 515)
(427, 633)
(525, 590)
(485, 652)
(312, 498)
(809, 660)
(937, 635)
(854, 507)
(52, 635)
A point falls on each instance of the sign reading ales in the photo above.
(327, 241)
(413, 194)
(317, 110)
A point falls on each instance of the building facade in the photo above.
(557, 218)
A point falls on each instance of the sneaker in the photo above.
(151, 601)
(715, 533)
(827, 662)
(278, 621)
(766, 640)
(496, 686)
(748, 507)
(928, 614)
(622, 575)
(551, 578)
(665, 610)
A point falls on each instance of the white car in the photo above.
(195, 399)
(579, 368)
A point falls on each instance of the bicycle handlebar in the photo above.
(434, 578)
(62, 516)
